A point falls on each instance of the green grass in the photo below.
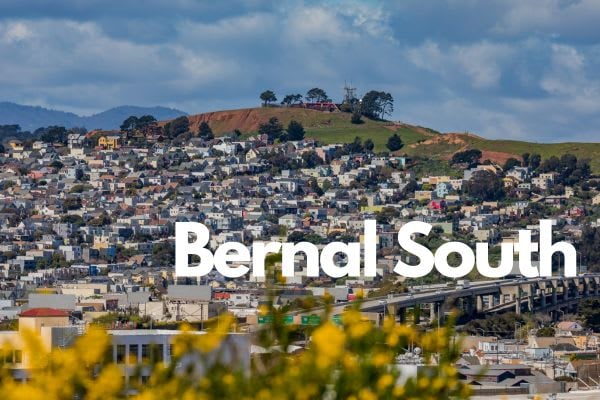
(590, 151)
(336, 128)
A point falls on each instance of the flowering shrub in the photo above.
(351, 361)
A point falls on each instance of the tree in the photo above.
(485, 185)
(387, 104)
(316, 95)
(133, 123)
(546, 331)
(268, 96)
(550, 164)
(129, 124)
(145, 121)
(394, 142)
(369, 145)
(534, 161)
(311, 159)
(356, 118)
(376, 105)
(273, 129)
(588, 247)
(53, 134)
(72, 203)
(205, 131)
(470, 157)
(314, 186)
(177, 126)
(589, 311)
(511, 163)
(10, 130)
(355, 146)
(525, 157)
(290, 99)
(295, 131)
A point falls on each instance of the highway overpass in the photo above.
(554, 295)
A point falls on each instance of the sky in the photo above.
(513, 69)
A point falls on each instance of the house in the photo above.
(442, 189)
(568, 328)
(290, 221)
(505, 378)
(110, 142)
(587, 371)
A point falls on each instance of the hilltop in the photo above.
(335, 127)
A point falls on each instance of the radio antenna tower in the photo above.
(349, 93)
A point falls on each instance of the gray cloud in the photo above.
(525, 70)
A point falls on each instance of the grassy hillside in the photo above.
(327, 127)
(337, 128)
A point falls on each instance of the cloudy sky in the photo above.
(499, 68)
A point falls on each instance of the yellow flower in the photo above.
(360, 329)
(438, 383)
(366, 394)
(398, 391)
(329, 342)
(263, 309)
(423, 383)
(228, 380)
(381, 359)
(350, 362)
(384, 382)
(392, 339)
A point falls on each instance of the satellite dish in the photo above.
(417, 351)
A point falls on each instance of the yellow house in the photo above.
(423, 195)
(110, 142)
(16, 145)
(42, 322)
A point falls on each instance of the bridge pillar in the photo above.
(543, 298)
(417, 314)
(391, 309)
(518, 300)
(586, 288)
(437, 313)
(565, 290)
(479, 304)
(401, 315)
(554, 296)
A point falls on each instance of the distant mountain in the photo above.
(33, 117)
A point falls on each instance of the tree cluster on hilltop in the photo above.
(374, 104)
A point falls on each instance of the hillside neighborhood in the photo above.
(87, 223)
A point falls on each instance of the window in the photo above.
(120, 354)
(7, 356)
(145, 352)
(18, 356)
(157, 352)
(133, 354)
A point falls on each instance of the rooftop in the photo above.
(44, 312)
